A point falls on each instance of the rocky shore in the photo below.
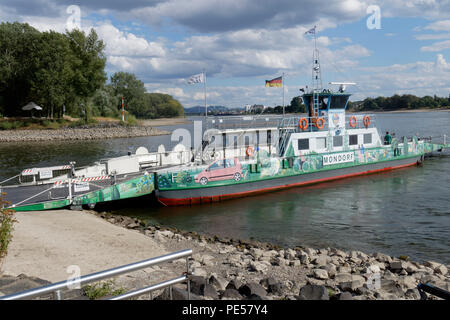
(238, 269)
(81, 133)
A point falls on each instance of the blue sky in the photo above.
(242, 43)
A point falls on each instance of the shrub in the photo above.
(6, 227)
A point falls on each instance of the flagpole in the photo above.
(204, 81)
(282, 84)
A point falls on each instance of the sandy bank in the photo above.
(46, 243)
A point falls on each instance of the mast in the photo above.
(316, 77)
(282, 83)
(204, 84)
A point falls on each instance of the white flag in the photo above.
(312, 31)
(196, 78)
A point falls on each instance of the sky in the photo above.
(385, 46)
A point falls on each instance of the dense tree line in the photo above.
(66, 71)
(296, 106)
(397, 102)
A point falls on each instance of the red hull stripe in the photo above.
(218, 198)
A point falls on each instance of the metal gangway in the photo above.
(56, 288)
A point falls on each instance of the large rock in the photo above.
(304, 258)
(441, 269)
(210, 292)
(331, 269)
(413, 294)
(398, 266)
(310, 251)
(257, 266)
(390, 286)
(272, 286)
(218, 282)
(356, 282)
(321, 260)
(313, 292)
(256, 253)
(343, 277)
(231, 294)
(408, 282)
(234, 284)
(252, 288)
(345, 296)
(197, 284)
(290, 254)
(320, 274)
(382, 257)
(339, 253)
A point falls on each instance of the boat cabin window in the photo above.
(338, 141)
(303, 144)
(216, 165)
(367, 138)
(353, 139)
(229, 163)
(338, 102)
(321, 143)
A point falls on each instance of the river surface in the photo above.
(402, 212)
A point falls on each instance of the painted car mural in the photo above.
(263, 166)
(224, 169)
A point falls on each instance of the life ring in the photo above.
(353, 121)
(303, 123)
(366, 121)
(322, 123)
(249, 152)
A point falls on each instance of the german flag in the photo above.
(277, 82)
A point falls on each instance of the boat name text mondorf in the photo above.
(335, 158)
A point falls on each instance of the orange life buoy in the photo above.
(322, 123)
(366, 121)
(249, 152)
(303, 123)
(353, 121)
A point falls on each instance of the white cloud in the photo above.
(119, 43)
(437, 46)
(418, 78)
(433, 36)
(443, 25)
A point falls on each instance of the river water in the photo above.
(402, 212)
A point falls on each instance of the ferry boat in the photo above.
(238, 156)
(326, 144)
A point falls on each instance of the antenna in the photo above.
(342, 85)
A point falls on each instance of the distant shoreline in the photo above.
(402, 111)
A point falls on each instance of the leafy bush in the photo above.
(6, 226)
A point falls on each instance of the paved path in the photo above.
(46, 243)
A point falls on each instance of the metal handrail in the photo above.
(56, 287)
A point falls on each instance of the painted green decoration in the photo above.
(274, 167)
(56, 204)
(129, 189)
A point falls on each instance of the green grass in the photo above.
(102, 289)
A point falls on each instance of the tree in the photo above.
(126, 85)
(296, 106)
(19, 48)
(52, 72)
(88, 64)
